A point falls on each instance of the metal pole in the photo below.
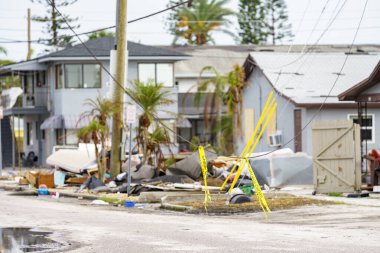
(129, 160)
(13, 143)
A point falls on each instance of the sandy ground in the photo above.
(337, 228)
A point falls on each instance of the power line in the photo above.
(320, 109)
(112, 77)
(106, 28)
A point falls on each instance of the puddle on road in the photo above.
(17, 240)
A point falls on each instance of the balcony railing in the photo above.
(38, 99)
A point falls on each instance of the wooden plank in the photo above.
(358, 160)
(333, 173)
(298, 130)
(335, 140)
(335, 158)
(249, 123)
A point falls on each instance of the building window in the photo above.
(29, 134)
(58, 77)
(66, 136)
(73, 76)
(59, 137)
(72, 137)
(367, 128)
(159, 73)
(82, 76)
(78, 76)
(41, 78)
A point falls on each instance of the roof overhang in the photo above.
(32, 65)
(107, 58)
(354, 93)
(25, 111)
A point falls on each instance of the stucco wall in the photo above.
(255, 96)
(338, 114)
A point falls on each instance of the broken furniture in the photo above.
(30, 160)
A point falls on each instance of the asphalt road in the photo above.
(338, 228)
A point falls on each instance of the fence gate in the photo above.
(336, 156)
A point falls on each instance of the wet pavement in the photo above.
(17, 240)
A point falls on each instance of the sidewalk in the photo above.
(373, 200)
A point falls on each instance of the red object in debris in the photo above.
(42, 186)
(231, 178)
(375, 154)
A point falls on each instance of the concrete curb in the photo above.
(29, 191)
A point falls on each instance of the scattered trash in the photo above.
(91, 183)
(99, 202)
(143, 172)
(247, 189)
(55, 195)
(38, 178)
(43, 191)
(129, 204)
(74, 160)
(358, 195)
(236, 191)
(111, 184)
(240, 199)
(376, 188)
(59, 178)
(189, 166)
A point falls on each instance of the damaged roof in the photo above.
(307, 78)
(101, 48)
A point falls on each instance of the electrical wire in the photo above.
(101, 29)
(182, 138)
(114, 79)
(320, 109)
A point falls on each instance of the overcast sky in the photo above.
(94, 14)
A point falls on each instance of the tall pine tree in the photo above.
(55, 24)
(276, 19)
(251, 20)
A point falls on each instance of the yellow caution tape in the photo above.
(241, 167)
(203, 160)
(268, 104)
(259, 193)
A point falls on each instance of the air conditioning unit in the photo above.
(275, 140)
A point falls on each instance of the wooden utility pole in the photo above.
(121, 61)
(29, 55)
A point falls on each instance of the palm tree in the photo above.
(149, 96)
(100, 34)
(98, 130)
(234, 96)
(96, 133)
(195, 23)
(226, 89)
(213, 100)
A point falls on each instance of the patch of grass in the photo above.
(274, 203)
(335, 194)
(113, 201)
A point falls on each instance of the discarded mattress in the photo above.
(190, 166)
(283, 168)
(75, 161)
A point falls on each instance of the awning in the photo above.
(183, 123)
(65, 122)
(75, 121)
(53, 122)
